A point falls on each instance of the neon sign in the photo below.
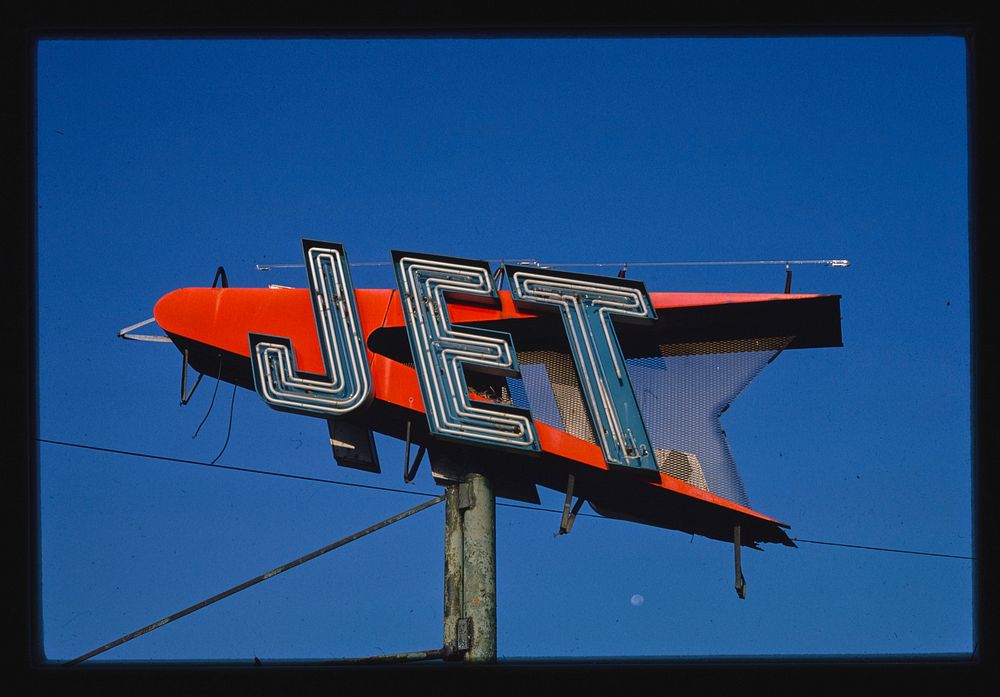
(580, 383)
(441, 353)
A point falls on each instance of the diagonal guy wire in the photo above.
(258, 579)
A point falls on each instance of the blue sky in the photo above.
(159, 160)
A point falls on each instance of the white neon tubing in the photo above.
(427, 316)
(278, 382)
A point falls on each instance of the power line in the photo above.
(263, 577)
(884, 549)
(424, 493)
(233, 468)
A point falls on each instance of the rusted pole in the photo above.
(453, 557)
(470, 610)
(479, 568)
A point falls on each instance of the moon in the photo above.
(637, 600)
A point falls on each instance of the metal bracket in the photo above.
(220, 273)
(353, 445)
(466, 499)
(568, 516)
(409, 472)
(741, 582)
(185, 395)
(126, 333)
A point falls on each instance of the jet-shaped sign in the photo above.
(585, 384)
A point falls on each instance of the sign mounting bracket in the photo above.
(568, 516)
(741, 582)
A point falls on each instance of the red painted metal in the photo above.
(220, 319)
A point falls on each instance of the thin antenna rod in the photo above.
(833, 263)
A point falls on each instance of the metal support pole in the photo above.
(470, 612)
(452, 568)
(479, 568)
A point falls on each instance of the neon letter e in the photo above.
(441, 351)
